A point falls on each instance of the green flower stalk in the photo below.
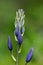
(19, 30)
(18, 34)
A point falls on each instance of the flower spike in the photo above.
(19, 25)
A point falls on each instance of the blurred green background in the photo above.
(33, 36)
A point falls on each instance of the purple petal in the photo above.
(9, 43)
(20, 38)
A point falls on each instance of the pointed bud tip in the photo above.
(32, 49)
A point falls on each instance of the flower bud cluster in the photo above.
(18, 34)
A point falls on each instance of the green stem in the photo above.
(13, 56)
(25, 63)
(17, 55)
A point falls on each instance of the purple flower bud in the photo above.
(18, 34)
(9, 44)
(29, 56)
(19, 38)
